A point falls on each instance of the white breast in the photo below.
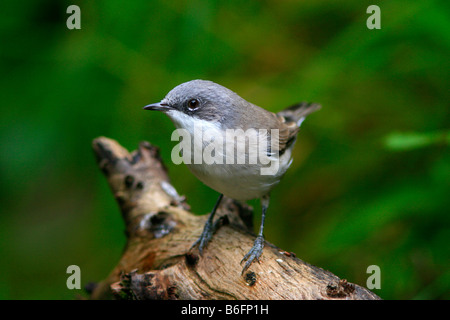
(237, 181)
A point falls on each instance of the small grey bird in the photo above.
(218, 110)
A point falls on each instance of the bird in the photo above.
(198, 107)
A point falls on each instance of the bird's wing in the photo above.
(292, 118)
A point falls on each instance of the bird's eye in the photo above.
(193, 104)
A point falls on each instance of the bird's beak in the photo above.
(157, 106)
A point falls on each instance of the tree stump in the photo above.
(157, 262)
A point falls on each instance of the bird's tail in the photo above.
(298, 112)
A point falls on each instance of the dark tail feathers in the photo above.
(298, 111)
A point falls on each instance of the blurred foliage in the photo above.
(412, 140)
(357, 193)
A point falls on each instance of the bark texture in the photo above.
(157, 262)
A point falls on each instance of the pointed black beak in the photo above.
(157, 106)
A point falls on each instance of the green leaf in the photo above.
(414, 140)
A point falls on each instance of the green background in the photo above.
(369, 184)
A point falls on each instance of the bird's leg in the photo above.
(208, 229)
(257, 249)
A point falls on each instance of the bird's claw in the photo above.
(205, 237)
(254, 253)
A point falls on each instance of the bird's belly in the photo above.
(241, 180)
(237, 181)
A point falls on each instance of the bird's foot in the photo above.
(254, 253)
(202, 241)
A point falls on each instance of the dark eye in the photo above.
(193, 104)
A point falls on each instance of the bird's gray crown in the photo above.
(215, 102)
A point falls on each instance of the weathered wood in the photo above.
(156, 262)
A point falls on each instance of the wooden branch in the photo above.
(156, 262)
